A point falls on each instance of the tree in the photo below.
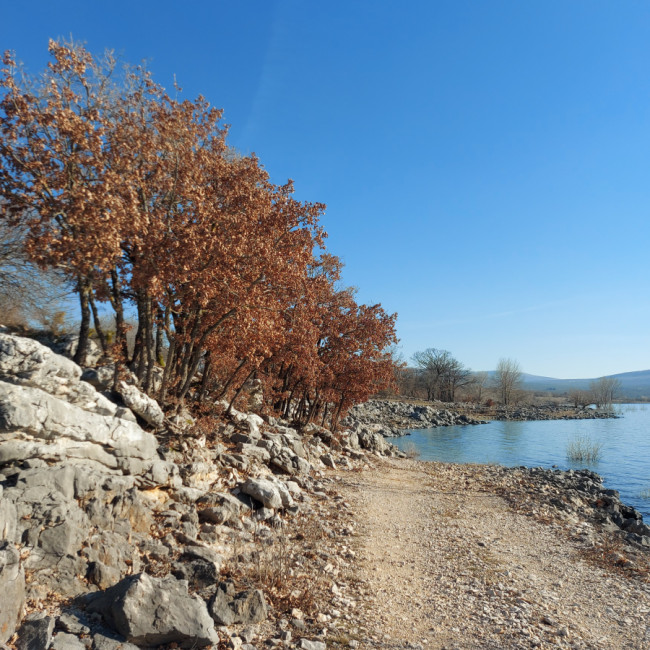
(27, 294)
(581, 398)
(441, 374)
(604, 391)
(54, 179)
(480, 380)
(507, 379)
(139, 201)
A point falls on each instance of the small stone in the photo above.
(35, 633)
(306, 644)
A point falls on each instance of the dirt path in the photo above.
(443, 563)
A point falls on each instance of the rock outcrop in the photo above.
(390, 418)
(96, 512)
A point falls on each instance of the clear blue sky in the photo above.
(486, 165)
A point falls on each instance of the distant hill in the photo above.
(633, 384)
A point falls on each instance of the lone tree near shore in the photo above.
(507, 379)
(604, 390)
(441, 374)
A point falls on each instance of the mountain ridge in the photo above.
(634, 384)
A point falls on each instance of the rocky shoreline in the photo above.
(468, 556)
(391, 418)
(120, 529)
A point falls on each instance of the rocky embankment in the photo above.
(576, 497)
(117, 531)
(548, 412)
(389, 418)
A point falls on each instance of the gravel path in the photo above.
(445, 563)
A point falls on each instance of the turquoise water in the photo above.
(624, 462)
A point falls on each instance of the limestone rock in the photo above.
(44, 426)
(306, 644)
(64, 641)
(246, 607)
(263, 491)
(12, 588)
(35, 633)
(150, 611)
(101, 377)
(143, 405)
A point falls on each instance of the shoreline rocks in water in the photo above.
(578, 494)
(391, 418)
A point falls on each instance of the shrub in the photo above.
(583, 450)
(411, 450)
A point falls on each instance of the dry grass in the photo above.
(411, 450)
(283, 566)
(584, 450)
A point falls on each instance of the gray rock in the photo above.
(154, 611)
(235, 460)
(103, 576)
(246, 607)
(290, 463)
(239, 437)
(221, 508)
(64, 641)
(253, 451)
(8, 518)
(73, 622)
(198, 573)
(47, 427)
(35, 633)
(100, 378)
(12, 588)
(306, 644)
(328, 460)
(263, 491)
(63, 539)
(110, 641)
(27, 362)
(143, 405)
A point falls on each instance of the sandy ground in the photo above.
(442, 561)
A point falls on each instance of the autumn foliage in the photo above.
(138, 199)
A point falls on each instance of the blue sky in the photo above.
(485, 164)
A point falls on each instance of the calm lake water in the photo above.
(625, 456)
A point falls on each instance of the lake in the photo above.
(624, 460)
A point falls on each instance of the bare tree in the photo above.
(456, 376)
(581, 398)
(480, 380)
(507, 379)
(27, 294)
(441, 374)
(604, 391)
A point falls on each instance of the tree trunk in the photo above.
(98, 325)
(83, 287)
(239, 390)
(206, 377)
(120, 325)
(167, 372)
